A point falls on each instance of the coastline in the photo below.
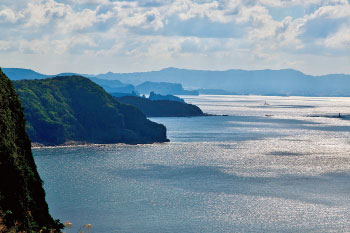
(35, 145)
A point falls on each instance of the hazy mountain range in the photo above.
(260, 82)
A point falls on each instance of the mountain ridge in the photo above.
(260, 82)
(165, 69)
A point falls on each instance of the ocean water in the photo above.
(274, 164)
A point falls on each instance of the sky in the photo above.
(98, 36)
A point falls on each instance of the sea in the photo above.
(259, 164)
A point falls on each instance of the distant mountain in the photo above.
(162, 108)
(109, 85)
(164, 88)
(22, 198)
(114, 86)
(73, 108)
(260, 82)
(19, 74)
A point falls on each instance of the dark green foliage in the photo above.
(120, 94)
(22, 198)
(154, 96)
(162, 108)
(73, 108)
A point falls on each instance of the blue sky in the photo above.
(97, 36)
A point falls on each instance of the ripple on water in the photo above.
(244, 173)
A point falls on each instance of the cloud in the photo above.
(339, 40)
(326, 29)
(168, 30)
(7, 15)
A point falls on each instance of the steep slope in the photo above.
(73, 108)
(22, 198)
(162, 108)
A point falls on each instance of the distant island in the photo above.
(114, 86)
(63, 109)
(285, 82)
(22, 198)
(154, 96)
(162, 106)
(164, 88)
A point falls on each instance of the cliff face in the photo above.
(22, 198)
(73, 108)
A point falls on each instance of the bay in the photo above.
(274, 164)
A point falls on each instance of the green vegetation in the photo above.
(73, 108)
(22, 199)
(154, 96)
(162, 108)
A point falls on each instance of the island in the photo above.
(162, 108)
(164, 88)
(154, 96)
(73, 109)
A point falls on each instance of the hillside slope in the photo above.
(22, 198)
(73, 108)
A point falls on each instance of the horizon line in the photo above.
(171, 67)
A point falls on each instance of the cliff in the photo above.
(22, 199)
(73, 108)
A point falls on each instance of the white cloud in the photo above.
(97, 2)
(150, 19)
(8, 15)
(340, 40)
(288, 3)
(42, 12)
(331, 12)
(6, 45)
(164, 31)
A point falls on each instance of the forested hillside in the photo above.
(22, 199)
(73, 108)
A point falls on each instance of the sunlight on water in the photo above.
(275, 164)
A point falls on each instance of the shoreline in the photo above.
(35, 145)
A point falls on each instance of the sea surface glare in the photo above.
(275, 164)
